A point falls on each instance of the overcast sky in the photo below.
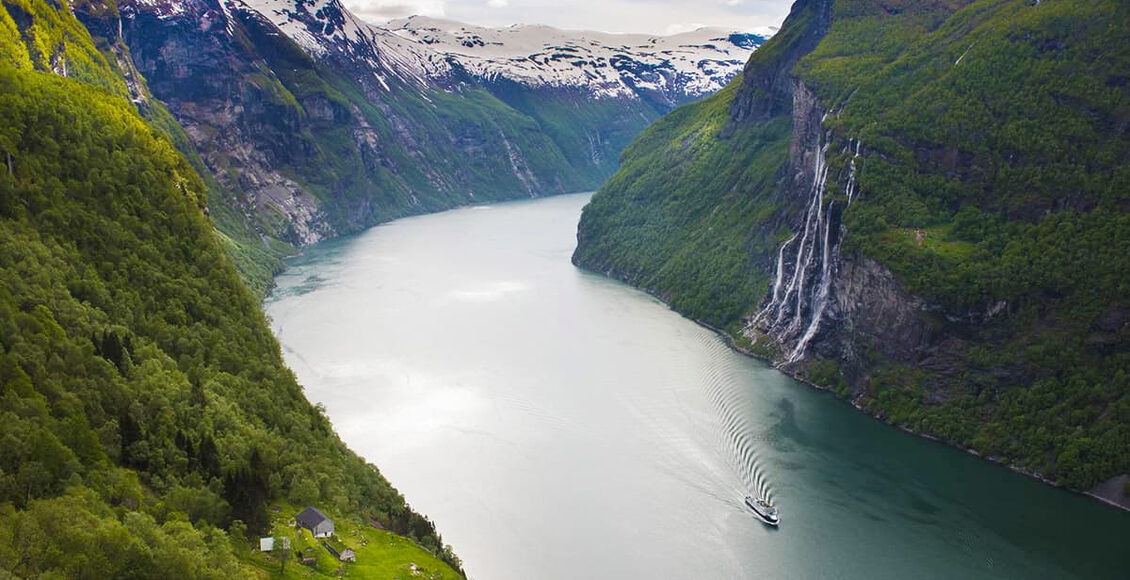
(650, 16)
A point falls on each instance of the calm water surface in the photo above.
(556, 424)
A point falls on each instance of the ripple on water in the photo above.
(736, 431)
(483, 472)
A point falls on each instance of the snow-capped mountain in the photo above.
(673, 68)
(613, 65)
(317, 123)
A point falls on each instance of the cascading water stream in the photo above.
(850, 189)
(796, 284)
(797, 313)
(818, 225)
(820, 300)
(780, 272)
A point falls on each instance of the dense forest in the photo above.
(991, 150)
(147, 419)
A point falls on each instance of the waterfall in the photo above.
(813, 215)
(820, 299)
(850, 189)
(796, 309)
(780, 271)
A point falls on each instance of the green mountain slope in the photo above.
(146, 417)
(921, 204)
(297, 146)
(651, 225)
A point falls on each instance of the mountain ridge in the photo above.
(315, 123)
(893, 214)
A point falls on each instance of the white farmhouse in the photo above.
(317, 522)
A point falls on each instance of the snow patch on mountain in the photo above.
(426, 51)
(613, 65)
(316, 25)
(162, 8)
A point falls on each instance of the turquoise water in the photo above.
(556, 424)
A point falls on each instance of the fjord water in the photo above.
(557, 424)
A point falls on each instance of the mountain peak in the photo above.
(671, 69)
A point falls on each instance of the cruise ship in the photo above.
(766, 512)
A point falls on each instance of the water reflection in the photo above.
(556, 424)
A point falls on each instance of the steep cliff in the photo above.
(940, 230)
(147, 421)
(314, 123)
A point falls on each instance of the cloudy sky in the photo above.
(651, 16)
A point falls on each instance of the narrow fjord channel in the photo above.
(557, 424)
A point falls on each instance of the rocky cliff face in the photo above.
(315, 123)
(232, 107)
(913, 203)
(768, 85)
(825, 304)
(822, 303)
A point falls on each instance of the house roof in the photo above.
(311, 517)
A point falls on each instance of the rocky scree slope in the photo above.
(315, 123)
(147, 421)
(921, 204)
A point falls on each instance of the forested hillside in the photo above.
(307, 123)
(920, 204)
(147, 421)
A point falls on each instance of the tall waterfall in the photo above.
(797, 308)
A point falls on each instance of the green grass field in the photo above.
(380, 554)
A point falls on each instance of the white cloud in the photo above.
(498, 3)
(381, 10)
(680, 27)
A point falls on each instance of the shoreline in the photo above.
(1094, 493)
(298, 249)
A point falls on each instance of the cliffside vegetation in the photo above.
(652, 225)
(993, 183)
(1004, 147)
(146, 417)
(296, 148)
